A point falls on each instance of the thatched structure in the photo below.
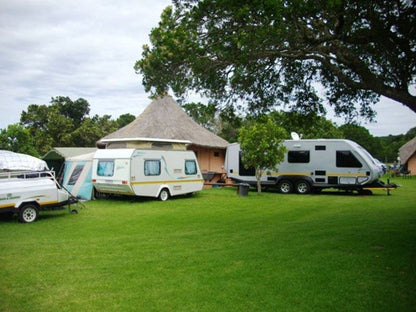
(407, 155)
(164, 124)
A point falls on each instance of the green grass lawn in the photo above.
(217, 251)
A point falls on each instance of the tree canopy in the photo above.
(261, 146)
(265, 53)
(63, 123)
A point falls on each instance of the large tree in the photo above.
(272, 52)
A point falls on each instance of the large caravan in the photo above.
(313, 165)
(152, 173)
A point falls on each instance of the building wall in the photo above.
(411, 164)
(147, 145)
(210, 160)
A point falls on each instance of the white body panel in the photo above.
(145, 172)
(322, 165)
(21, 189)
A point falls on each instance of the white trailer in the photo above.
(313, 165)
(151, 173)
(27, 193)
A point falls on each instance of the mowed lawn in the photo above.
(217, 251)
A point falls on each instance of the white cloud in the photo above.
(76, 49)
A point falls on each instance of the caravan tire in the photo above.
(164, 194)
(28, 213)
(303, 187)
(285, 187)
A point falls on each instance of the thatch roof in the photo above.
(164, 119)
(407, 150)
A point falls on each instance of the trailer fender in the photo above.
(21, 204)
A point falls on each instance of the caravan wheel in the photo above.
(164, 194)
(285, 187)
(303, 187)
(28, 213)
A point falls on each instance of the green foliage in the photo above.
(309, 126)
(202, 114)
(216, 251)
(222, 121)
(124, 120)
(260, 146)
(17, 139)
(269, 53)
(363, 137)
(75, 110)
(63, 123)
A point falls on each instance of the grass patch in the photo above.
(217, 252)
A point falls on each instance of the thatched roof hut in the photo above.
(407, 155)
(165, 120)
(165, 125)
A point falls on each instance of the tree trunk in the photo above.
(258, 177)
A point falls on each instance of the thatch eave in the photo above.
(407, 150)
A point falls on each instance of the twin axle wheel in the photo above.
(300, 187)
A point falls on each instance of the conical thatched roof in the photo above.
(165, 119)
(407, 150)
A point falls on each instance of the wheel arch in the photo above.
(163, 187)
(24, 203)
(295, 178)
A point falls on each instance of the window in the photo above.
(216, 154)
(320, 148)
(151, 167)
(75, 174)
(190, 167)
(346, 159)
(298, 157)
(105, 168)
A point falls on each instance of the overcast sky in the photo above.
(87, 49)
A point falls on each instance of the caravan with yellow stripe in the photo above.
(150, 173)
(314, 165)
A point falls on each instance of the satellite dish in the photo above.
(295, 136)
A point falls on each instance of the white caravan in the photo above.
(27, 193)
(152, 173)
(313, 165)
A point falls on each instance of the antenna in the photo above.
(295, 136)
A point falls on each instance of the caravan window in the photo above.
(298, 157)
(105, 168)
(346, 159)
(75, 174)
(190, 167)
(152, 167)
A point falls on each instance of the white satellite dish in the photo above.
(295, 136)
